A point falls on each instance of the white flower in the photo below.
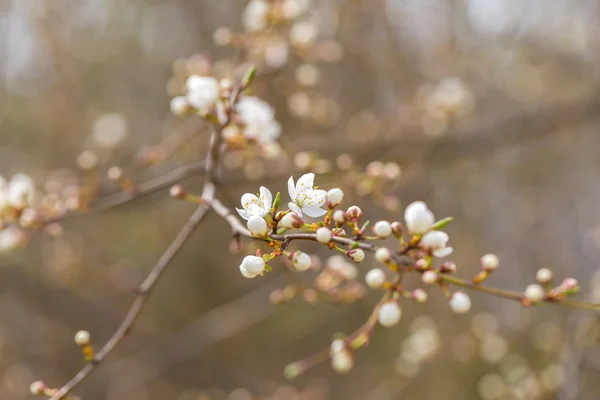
(82, 338)
(534, 293)
(259, 118)
(382, 229)
(436, 242)
(291, 220)
(375, 278)
(339, 217)
(202, 91)
(252, 205)
(179, 105)
(418, 218)
(543, 275)
(254, 17)
(20, 191)
(489, 262)
(323, 235)
(335, 197)
(257, 225)
(356, 255)
(252, 266)
(389, 314)
(305, 198)
(342, 362)
(301, 261)
(383, 255)
(460, 303)
(263, 133)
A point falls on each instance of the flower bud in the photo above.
(323, 235)
(448, 267)
(342, 362)
(177, 192)
(291, 220)
(37, 388)
(339, 232)
(389, 314)
(301, 261)
(252, 266)
(354, 213)
(179, 105)
(82, 338)
(489, 262)
(337, 346)
(429, 277)
(397, 229)
(257, 225)
(334, 197)
(544, 275)
(382, 229)
(383, 255)
(422, 264)
(356, 255)
(570, 284)
(418, 218)
(339, 217)
(460, 303)
(419, 295)
(534, 293)
(375, 278)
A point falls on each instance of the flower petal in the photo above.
(291, 188)
(266, 197)
(305, 183)
(317, 198)
(314, 212)
(242, 213)
(249, 199)
(443, 252)
(294, 207)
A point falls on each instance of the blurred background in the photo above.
(489, 107)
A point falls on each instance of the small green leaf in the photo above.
(276, 201)
(442, 223)
(267, 268)
(249, 76)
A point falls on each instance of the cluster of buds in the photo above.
(341, 357)
(19, 210)
(544, 290)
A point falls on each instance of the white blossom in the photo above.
(323, 235)
(291, 220)
(382, 229)
(305, 198)
(534, 293)
(383, 255)
(253, 205)
(257, 225)
(375, 278)
(356, 255)
(419, 219)
(254, 16)
(259, 118)
(82, 338)
(37, 388)
(21, 191)
(202, 91)
(436, 242)
(10, 238)
(252, 266)
(179, 105)
(460, 303)
(389, 314)
(489, 262)
(342, 361)
(339, 216)
(335, 197)
(301, 261)
(543, 275)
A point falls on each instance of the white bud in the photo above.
(389, 314)
(82, 338)
(252, 266)
(534, 293)
(544, 275)
(339, 217)
(177, 192)
(382, 229)
(383, 255)
(429, 277)
(37, 388)
(202, 91)
(257, 225)
(419, 295)
(291, 220)
(460, 303)
(356, 255)
(323, 235)
(354, 213)
(337, 346)
(375, 278)
(301, 261)
(434, 240)
(342, 362)
(334, 197)
(489, 262)
(179, 105)
(418, 218)
(21, 191)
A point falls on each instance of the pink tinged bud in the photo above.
(397, 229)
(570, 284)
(342, 362)
(489, 262)
(356, 255)
(430, 277)
(389, 314)
(82, 338)
(291, 220)
(419, 295)
(418, 218)
(339, 217)
(448, 267)
(544, 275)
(382, 229)
(383, 255)
(257, 225)
(460, 303)
(422, 264)
(301, 261)
(339, 232)
(251, 266)
(354, 213)
(37, 388)
(375, 278)
(334, 197)
(323, 235)
(534, 293)
(177, 192)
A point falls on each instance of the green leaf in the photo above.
(249, 76)
(276, 201)
(442, 223)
